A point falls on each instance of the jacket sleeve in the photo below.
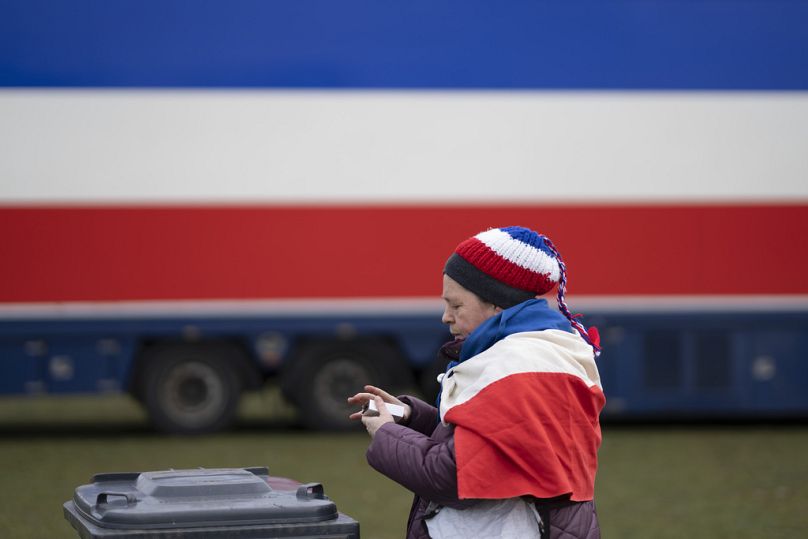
(423, 417)
(423, 464)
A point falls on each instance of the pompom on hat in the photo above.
(506, 266)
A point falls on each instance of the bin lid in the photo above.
(200, 497)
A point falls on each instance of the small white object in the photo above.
(510, 518)
(395, 410)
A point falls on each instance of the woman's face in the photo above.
(463, 310)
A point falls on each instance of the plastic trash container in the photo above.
(204, 503)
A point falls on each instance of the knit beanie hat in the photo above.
(506, 266)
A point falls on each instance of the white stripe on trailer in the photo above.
(163, 146)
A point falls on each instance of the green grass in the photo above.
(744, 481)
(704, 482)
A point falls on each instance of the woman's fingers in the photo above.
(383, 411)
(371, 393)
(360, 399)
(387, 397)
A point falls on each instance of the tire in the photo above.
(324, 374)
(190, 389)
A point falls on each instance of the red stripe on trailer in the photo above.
(115, 253)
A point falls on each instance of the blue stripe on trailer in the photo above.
(470, 44)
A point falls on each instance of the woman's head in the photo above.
(498, 269)
(464, 310)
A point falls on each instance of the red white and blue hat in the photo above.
(506, 266)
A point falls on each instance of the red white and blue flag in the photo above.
(526, 417)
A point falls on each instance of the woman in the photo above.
(511, 449)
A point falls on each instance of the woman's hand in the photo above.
(372, 423)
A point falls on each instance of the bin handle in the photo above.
(311, 491)
(103, 496)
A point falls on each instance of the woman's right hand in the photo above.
(360, 399)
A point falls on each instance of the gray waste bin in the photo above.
(203, 503)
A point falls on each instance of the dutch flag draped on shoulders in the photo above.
(525, 400)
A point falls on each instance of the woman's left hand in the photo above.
(372, 423)
(380, 397)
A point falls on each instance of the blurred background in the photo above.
(219, 219)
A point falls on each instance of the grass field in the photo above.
(654, 481)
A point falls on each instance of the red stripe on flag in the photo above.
(529, 433)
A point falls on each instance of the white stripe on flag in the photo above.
(548, 351)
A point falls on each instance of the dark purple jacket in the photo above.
(421, 457)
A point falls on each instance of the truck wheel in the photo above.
(190, 389)
(326, 374)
